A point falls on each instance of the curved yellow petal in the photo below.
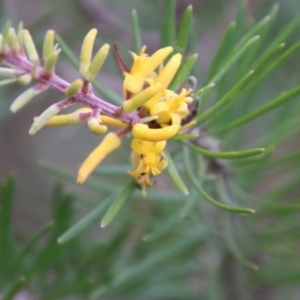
(142, 131)
(110, 142)
(168, 72)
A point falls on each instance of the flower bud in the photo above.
(110, 142)
(74, 88)
(141, 98)
(95, 127)
(97, 62)
(50, 61)
(48, 44)
(24, 98)
(29, 46)
(86, 52)
(43, 119)
(168, 72)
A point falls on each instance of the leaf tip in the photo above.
(60, 240)
(103, 224)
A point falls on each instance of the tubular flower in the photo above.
(147, 158)
(151, 112)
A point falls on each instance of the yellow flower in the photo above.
(148, 158)
(144, 132)
(142, 67)
(171, 103)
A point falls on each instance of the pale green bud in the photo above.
(50, 61)
(86, 52)
(11, 39)
(7, 72)
(24, 98)
(48, 44)
(43, 119)
(25, 79)
(97, 62)
(95, 127)
(74, 88)
(29, 46)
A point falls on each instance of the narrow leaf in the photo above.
(223, 50)
(225, 100)
(86, 221)
(184, 30)
(71, 177)
(225, 155)
(6, 238)
(117, 204)
(184, 72)
(174, 175)
(184, 136)
(199, 189)
(261, 110)
(229, 230)
(14, 289)
(137, 42)
(168, 33)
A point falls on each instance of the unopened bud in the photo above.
(24, 98)
(168, 72)
(97, 62)
(74, 88)
(43, 119)
(48, 44)
(50, 61)
(11, 39)
(25, 79)
(95, 127)
(86, 52)
(29, 46)
(110, 142)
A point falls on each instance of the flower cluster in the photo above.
(151, 113)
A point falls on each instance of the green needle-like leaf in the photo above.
(71, 177)
(223, 51)
(184, 30)
(205, 195)
(253, 31)
(168, 33)
(184, 72)
(14, 289)
(67, 52)
(225, 99)
(137, 42)
(174, 175)
(86, 221)
(203, 91)
(6, 237)
(282, 36)
(184, 136)
(117, 204)
(189, 206)
(229, 230)
(263, 109)
(226, 155)
(227, 64)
